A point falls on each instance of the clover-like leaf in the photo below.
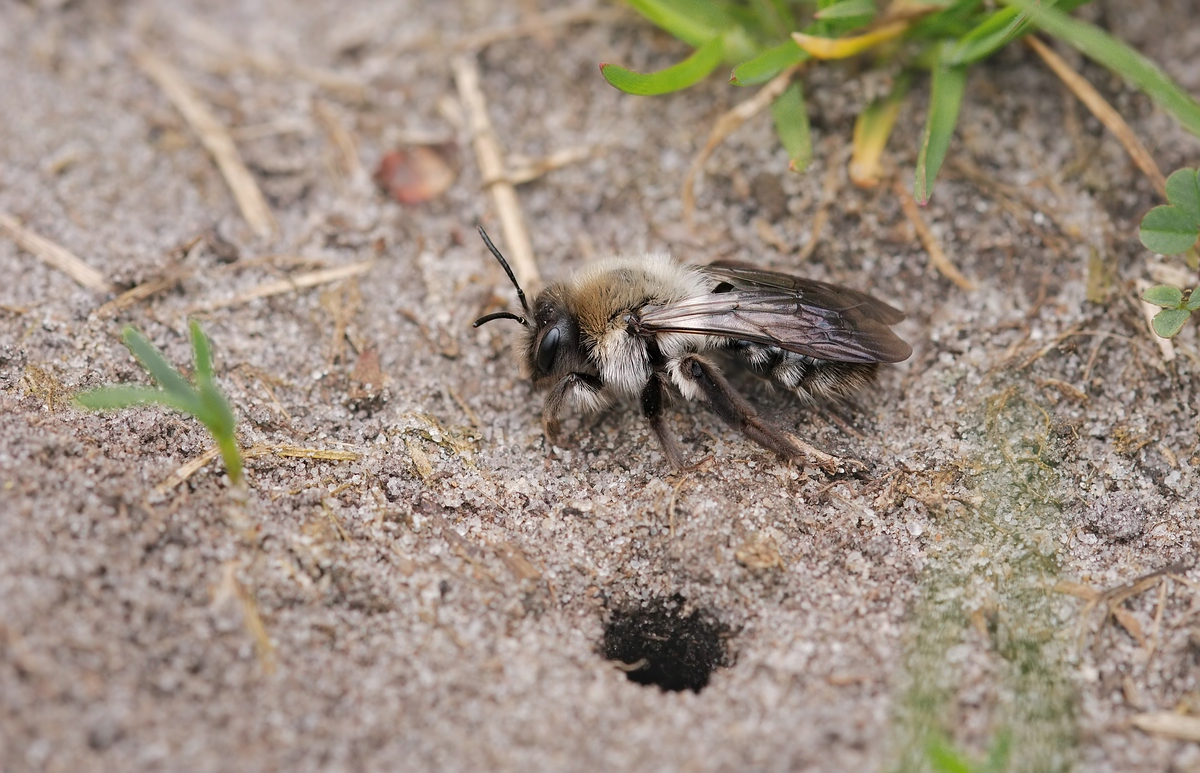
(1169, 230)
(1168, 322)
(1163, 295)
(1193, 302)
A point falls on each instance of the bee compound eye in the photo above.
(547, 349)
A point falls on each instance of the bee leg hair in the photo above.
(653, 402)
(733, 409)
(582, 386)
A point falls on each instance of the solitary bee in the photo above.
(649, 327)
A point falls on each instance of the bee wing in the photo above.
(743, 276)
(807, 317)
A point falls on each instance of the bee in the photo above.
(650, 328)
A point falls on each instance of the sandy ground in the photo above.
(438, 600)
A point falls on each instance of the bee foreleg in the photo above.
(581, 389)
(696, 377)
(653, 402)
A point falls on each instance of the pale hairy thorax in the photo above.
(601, 295)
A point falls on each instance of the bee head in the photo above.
(551, 345)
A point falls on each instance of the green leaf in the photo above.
(679, 76)
(1183, 191)
(768, 64)
(111, 398)
(1097, 44)
(791, 123)
(1163, 295)
(945, 99)
(1168, 322)
(847, 9)
(1168, 230)
(1193, 303)
(201, 350)
(992, 34)
(154, 362)
(944, 758)
(692, 21)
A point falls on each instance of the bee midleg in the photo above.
(653, 402)
(697, 377)
(581, 389)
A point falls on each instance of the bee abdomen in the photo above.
(809, 377)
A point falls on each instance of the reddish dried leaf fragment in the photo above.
(417, 173)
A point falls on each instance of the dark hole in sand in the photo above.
(666, 644)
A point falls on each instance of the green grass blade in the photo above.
(202, 350)
(768, 64)
(692, 21)
(992, 34)
(1097, 44)
(154, 362)
(111, 398)
(945, 99)
(679, 76)
(791, 123)
(217, 416)
(847, 9)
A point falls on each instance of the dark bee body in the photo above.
(649, 327)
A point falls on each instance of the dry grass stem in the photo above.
(328, 455)
(936, 255)
(1169, 724)
(216, 140)
(541, 24)
(54, 255)
(232, 588)
(522, 170)
(829, 189)
(291, 284)
(142, 292)
(346, 148)
(491, 168)
(187, 470)
(726, 125)
(228, 51)
(1103, 111)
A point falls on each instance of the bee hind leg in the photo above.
(581, 389)
(698, 378)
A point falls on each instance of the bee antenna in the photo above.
(511, 277)
(500, 315)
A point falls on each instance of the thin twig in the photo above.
(522, 170)
(491, 168)
(348, 161)
(228, 51)
(1169, 724)
(1103, 111)
(187, 470)
(54, 255)
(216, 140)
(291, 284)
(726, 125)
(542, 23)
(936, 255)
(829, 188)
